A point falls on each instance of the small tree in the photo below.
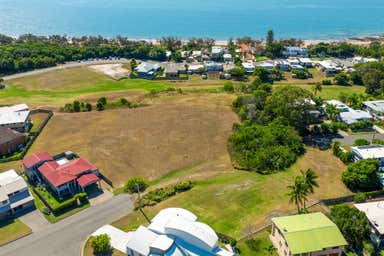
(362, 175)
(342, 79)
(124, 101)
(317, 88)
(102, 100)
(88, 106)
(361, 142)
(228, 86)
(136, 184)
(100, 106)
(76, 106)
(101, 244)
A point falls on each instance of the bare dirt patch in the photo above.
(115, 71)
(174, 132)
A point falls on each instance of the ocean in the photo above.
(219, 19)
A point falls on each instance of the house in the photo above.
(196, 69)
(283, 65)
(294, 51)
(196, 55)
(293, 61)
(247, 51)
(62, 174)
(375, 108)
(10, 141)
(358, 59)
(212, 66)
(14, 194)
(353, 116)
(306, 234)
(338, 105)
(375, 215)
(249, 67)
(147, 70)
(306, 62)
(266, 64)
(228, 67)
(172, 232)
(217, 52)
(227, 57)
(16, 117)
(329, 67)
(369, 152)
(173, 70)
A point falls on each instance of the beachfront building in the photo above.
(375, 215)
(283, 65)
(306, 62)
(329, 67)
(212, 66)
(16, 117)
(14, 194)
(306, 234)
(10, 141)
(227, 57)
(173, 70)
(217, 52)
(147, 70)
(375, 108)
(172, 232)
(295, 51)
(359, 59)
(63, 174)
(249, 67)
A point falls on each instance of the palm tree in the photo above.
(298, 192)
(309, 177)
(332, 112)
(317, 88)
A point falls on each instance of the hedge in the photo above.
(155, 196)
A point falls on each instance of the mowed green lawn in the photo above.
(11, 230)
(235, 202)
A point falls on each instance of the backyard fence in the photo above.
(32, 136)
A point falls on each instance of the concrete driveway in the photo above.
(66, 237)
(35, 220)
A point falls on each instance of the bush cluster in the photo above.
(161, 194)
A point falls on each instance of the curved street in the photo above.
(66, 237)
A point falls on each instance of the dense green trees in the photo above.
(30, 52)
(265, 148)
(352, 223)
(362, 175)
(342, 79)
(371, 74)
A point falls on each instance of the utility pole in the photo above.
(139, 198)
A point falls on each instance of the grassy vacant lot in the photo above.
(11, 230)
(174, 132)
(259, 244)
(235, 202)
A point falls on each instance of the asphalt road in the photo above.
(66, 237)
(63, 66)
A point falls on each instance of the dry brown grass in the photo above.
(174, 132)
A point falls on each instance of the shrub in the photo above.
(300, 74)
(101, 244)
(377, 141)
(326, 82)
(361, 142)
(342, 79)
(345, 157)
(360, 198)
(136, 184)
(362, 175)
(228, 87)
(361, 126)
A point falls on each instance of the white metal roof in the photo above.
(141, 240)
(11, 181)
(193, 230)
(376, 105)
(14, 117)
(162, 243)
(375, 214)
(119, 238)
(353, 116)
(14, 108)
(369, 151)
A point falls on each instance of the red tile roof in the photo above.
(58, 175)
(87, 179)
(34, 158)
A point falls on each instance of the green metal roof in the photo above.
(309, 232)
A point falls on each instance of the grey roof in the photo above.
(376, 105)
(8, 135)
(353, 116)
(14, 117)
(174, 67)
(146, 67)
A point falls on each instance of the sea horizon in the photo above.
(321, 20)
